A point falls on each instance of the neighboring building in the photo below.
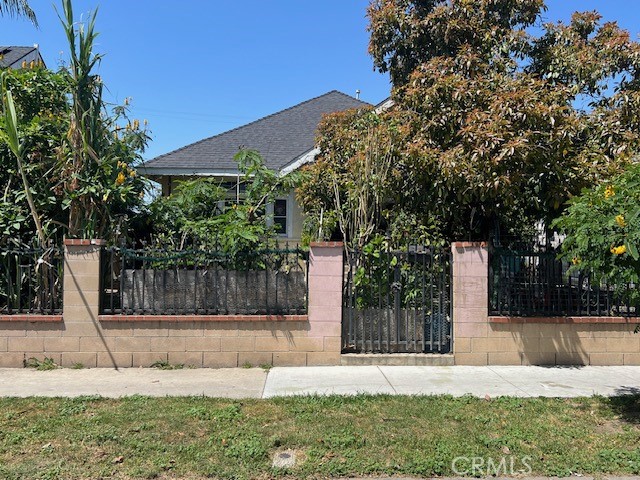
(286, 140)
(19, 57)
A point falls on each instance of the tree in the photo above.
(602, 227)
(499, 127)
(18, 8)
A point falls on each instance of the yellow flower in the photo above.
(618, 250)
(120, 179)
(132, 173)
(609, 192)
(576, 260)
(620, 221)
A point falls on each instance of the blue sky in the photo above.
(211, 65)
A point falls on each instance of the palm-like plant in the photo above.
(18, 8)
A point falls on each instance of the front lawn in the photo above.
(142, 437)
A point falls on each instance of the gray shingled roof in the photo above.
(280, 138)
(13, 56)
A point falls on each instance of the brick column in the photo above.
(325, 301)
(81, 299)
(470, 301)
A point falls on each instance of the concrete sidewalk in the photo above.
(282, 381)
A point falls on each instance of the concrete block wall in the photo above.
(479, 339)
(82, 336)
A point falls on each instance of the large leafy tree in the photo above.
(499, 126)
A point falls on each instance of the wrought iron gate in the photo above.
(397, 301)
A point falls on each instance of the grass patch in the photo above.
(141, 437)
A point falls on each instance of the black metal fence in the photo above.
(195, 282)
(537, 283)
(31, 281)
(397, 301)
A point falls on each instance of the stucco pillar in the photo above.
(470, 301)
(325, 301)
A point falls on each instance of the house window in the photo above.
(280, 217)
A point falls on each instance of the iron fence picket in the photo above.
(155, 282)
(537, 283)
(397, 301)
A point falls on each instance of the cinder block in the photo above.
(220, 359)
(76, 281)
(237, 344)
(461, 345)
(147, 359)
(471, 315)
(13, 329)
(4, 344)
(538, 358)
(97, 344)
(592, 345)
(606, 359)
(202, 344)
(325, 298)
(185, 329)
(572, 358)
(470, 299)
(11, 360)
(308, 344)
(560, 345)
(474, 269)
(504, 358)
(114, 360)
(167, 344)
(500, 344)
(623, 345)
(25, 344)
(75, 313)
(508, 330)
(75, 298)
(45, 330)
(333, 344)
(188, 359)
(86, 359)
(469, 330)
(54, 356)
(332, 285)
(325, 314)
(132, 344)
(631, 358)
(117, 329)
(325, 329)
(272, 344)
(220, 329)
(471, 359)
(259, 329)
(289, 359)
(323, 358)
(609, 331)
(150, 329)
(255, 359)
(81, 329)
(62, 344)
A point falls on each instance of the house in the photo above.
(286, 140)
(20, 57)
